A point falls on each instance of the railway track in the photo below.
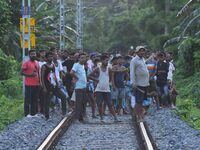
(144, 137)
(94, 135)
(52, 139)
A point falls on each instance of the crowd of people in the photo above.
(72, 80)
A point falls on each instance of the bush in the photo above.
(190, 88)
(11, 101)
(8, 66)
(10, 111)
(189, 112)
(189, 56)
(189, 99)
(11, 88)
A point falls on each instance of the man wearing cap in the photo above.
(139, 76)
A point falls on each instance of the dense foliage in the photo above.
(9, 67)
(188, 111)
(11, 101)
(11, 110)
(108, 25)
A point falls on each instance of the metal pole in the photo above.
(79, 24)
(29, 24)
(23, 41)
(62, 25)
(26, 17)
(23, 30)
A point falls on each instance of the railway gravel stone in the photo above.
(167, 129)
(170, 132)
(27, 133)
(93, 135)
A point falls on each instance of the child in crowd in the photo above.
(173, 94)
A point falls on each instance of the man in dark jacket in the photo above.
(162, 72)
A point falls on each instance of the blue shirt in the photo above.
(81, 74)
(119, 78)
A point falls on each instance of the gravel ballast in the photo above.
(170, 132)
(167, 129)
(96, 136)
(27, 133)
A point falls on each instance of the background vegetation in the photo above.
(11, 101)
(114, 26)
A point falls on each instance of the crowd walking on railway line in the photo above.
(71, 81)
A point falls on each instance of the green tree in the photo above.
(186, 38)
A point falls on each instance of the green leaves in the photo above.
(42, 5)
(8, 66)
(11, 88)
(47, 24)
(189, 112)
(186, 8)
(174, 40)
(190, 88)
(11, 110)
(190, 23)
(5, 17)
(189, 26)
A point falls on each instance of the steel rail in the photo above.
(53, 137)
(144, 137)
(147, 142)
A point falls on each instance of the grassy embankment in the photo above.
(188, 101)
(11, 101)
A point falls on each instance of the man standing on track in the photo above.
(92, 64)
(162, 73)
(119, 73)
(30, 69)
(139, 76)
(79, 75)
(103, 93)
(47, 70)
(152, 68)
(42, 61)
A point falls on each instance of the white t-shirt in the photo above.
(58, 69)
(81, 74)
(90, 64)
(41, 63)
(64, 67)
(103, 84)
(171, 70)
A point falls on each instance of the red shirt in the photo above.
(29, 67)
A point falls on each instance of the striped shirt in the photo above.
(151, 66)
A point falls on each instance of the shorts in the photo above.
(163, 89)
(90, 87)
(103, 97)
(119, 93)
(140, 94)
(152, 87)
